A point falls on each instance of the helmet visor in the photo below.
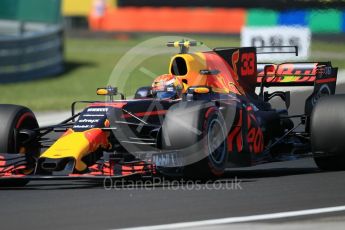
(166, 94)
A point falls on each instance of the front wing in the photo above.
(19, 166)
(149, 164)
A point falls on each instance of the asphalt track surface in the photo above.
(264, 189)
(288, 186)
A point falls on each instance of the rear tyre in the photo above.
(13, 118)
(199, 131)
(327, 133)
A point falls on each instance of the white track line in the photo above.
(241, 219)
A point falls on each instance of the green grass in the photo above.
(332, 51)
(89, 64)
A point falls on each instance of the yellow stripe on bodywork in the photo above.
(73, 145)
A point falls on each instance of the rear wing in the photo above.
(295, 74)
(321, 75)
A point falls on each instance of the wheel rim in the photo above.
(216, 143)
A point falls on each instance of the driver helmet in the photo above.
(167, 86)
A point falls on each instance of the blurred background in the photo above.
(53, 52)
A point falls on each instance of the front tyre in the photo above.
(198, 130)
(14, 118)
(216, 151)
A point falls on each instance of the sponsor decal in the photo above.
(97, 110)
(91, 118)
(83, 126)
(88, 120)
(93, 115)
(167, 159)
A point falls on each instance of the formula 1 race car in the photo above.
(211, 112)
